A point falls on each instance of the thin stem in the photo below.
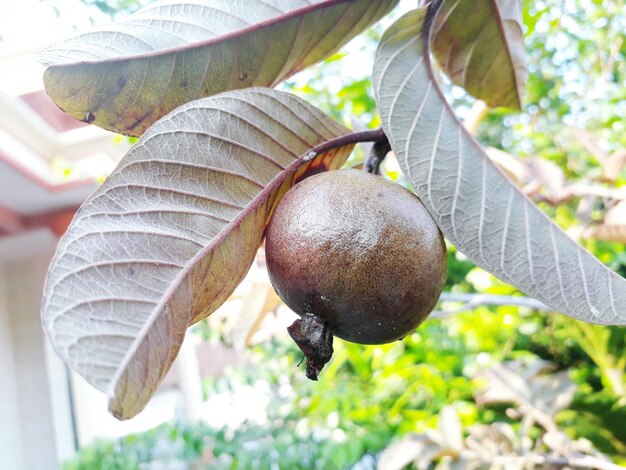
(376, 156)
(431, 13)
(554, 461)
(477, 114)
(377, 135)
(471, 301)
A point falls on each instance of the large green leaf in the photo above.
(480, 46)
(476, 206)
(125, 76)
(169, 235)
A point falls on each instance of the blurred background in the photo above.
(493, 377)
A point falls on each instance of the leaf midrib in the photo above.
(208, 42)
(505, 40)
(261, 198)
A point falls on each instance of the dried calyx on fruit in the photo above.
(356, 256)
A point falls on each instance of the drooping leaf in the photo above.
(614, 227)
(125, 76)
(610, 233)
(612, 164)
(476, 206)
(450, 430)
(535, 176)
(258, 302)
(486, 442)
(480, 46)
(169, 235)
(527, 385)
(512, 167)
(411, 448)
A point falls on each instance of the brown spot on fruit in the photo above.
(372, 271)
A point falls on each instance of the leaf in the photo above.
(257, 303)
(514, 168)
(125, 76)
(411, 448)
(612, 164)
(450, 429)
(527, 385)
(546, 177)
(616, 215)
(503, 385)
(169, 235)
(534, 175)
(614, 227)
(480, 46)
(610, 233)
(554, 392)
(476, 206)
(492, 440)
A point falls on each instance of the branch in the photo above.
(377, 135)
(477, 114)
(471, 301)
(378, 153)
(554, 461)
(581, 190)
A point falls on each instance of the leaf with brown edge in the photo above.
(125, 76)
(169, 235)
(476, 206)
(480, 46)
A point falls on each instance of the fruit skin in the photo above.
(359, 251)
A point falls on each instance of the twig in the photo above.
(559, 462)
(471, 301)
(526, 407)
(377, 135)
(477, 114)
(377, 154)
(581, 190)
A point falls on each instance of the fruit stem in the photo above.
(379, 151)
(315, 340)
(377, 135)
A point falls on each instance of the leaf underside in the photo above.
(127, 75)
(169, 235)
(476, 206)
(480, 46)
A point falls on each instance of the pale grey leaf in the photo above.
(416, 448)
(450, 429)
(169, 235)
(126, 75)
(476, 206)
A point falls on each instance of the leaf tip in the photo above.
(123, 408)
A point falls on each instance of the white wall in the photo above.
(36, 425)
(24, 281)
(35, 417)
(59, 385)
(10, 432)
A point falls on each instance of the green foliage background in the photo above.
(369, 396)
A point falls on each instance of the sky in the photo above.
(27, 22)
